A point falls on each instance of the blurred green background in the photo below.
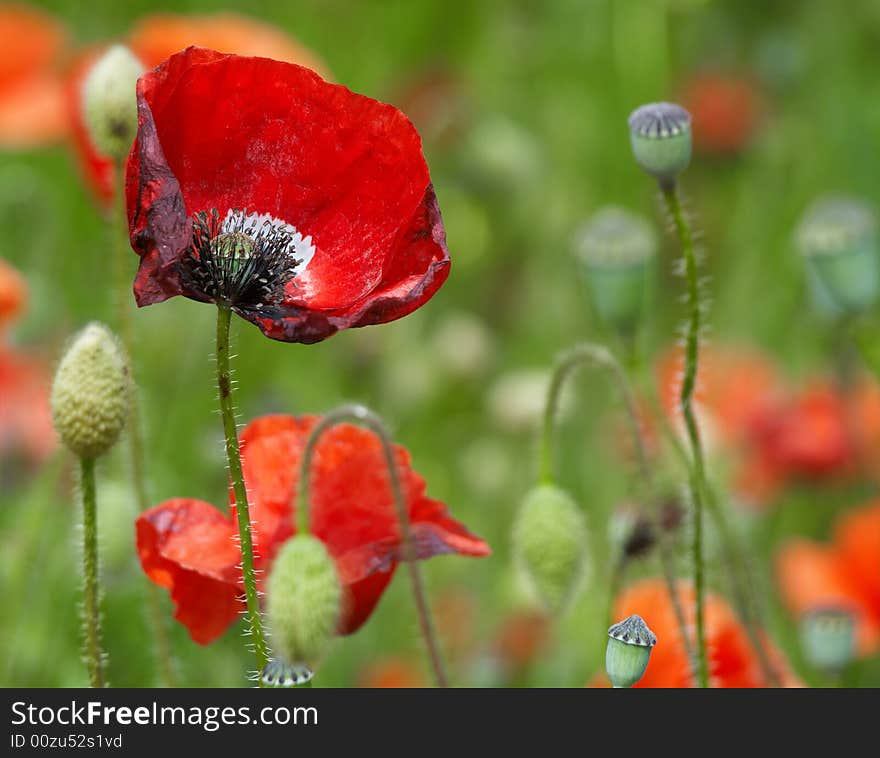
(528, 139)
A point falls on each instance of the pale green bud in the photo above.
(91, 393)
(828, 637)
(629, 649)
(109, 101)
(616, 249)
(660, 134)
(549, 540)
(838, 237)
(303, 600)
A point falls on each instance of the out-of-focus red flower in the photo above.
(724, 112)
(455, 613)
(733, 662)
(843, 575)
(330, 187)
(392, 673)
(522, 637)
(190, 547)
(25, 418)
(31, 85)
(153, 39)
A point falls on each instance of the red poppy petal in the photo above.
(188, 547)
(361, 599)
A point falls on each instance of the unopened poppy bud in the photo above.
(616, 249)
(629, 648)
(91, 392)
(838, 238)
(303, 600)
(828, 638)
(549, 539)
(660, 134)
(109, 101)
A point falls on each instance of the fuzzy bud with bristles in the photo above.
(629, 648)
(660, 134)
(838, 237)
(616, 249)
(109, 101)
(549, 540)
(828, 638)
(303, 600)
(91, 393)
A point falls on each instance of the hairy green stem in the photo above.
(365, 416)
(587, 353)
(233, 457)
(697, 465)
(122, 256)
(91, 596)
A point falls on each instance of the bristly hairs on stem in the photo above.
(363, 415)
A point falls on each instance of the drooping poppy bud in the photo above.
(617, 249)
(660, 134)
(303, 600)
(828, 638)
(629, 648)
(839, 240)
(91, 393)
(549, 540)
(109, 101)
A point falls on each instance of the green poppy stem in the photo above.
(360, 414)
(91, 595)
(697, 465)
(233, 457)
(118, 223)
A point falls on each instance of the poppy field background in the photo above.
(522, 109)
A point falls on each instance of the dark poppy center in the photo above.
(245, 259)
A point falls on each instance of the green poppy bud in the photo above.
(109, 101)
(839, 241)
(616, 249)
(629, 648)
(91, 393)
(549, 540)
(828, 638)
(660, 134)
(303, 599)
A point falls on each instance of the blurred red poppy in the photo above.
(153, 39)
(844, 575)
(521, 638)
(733, 661)
(724, 112)
(190, 547)
(392, 673)
(339, 215)
(26, 427)
(31, 84)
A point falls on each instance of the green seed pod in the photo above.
(660, 134)
(828, 638)
(617, 249)
(549, 540)
(91, 394)
(838, 238)
(629, 649)
(303, 599)
(279, 674)
(109, 101)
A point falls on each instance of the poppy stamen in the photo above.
(245, 259)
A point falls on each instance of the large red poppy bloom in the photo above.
(732, 659)
(326, 192)
(844, 575)
(190, 547)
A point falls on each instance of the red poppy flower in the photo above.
(152, 40)
(190, 547)
(340, 226)
(844, 574)
(733, 661)
(724, 112)
(26, 427)
(31, 85)
(392, 673)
